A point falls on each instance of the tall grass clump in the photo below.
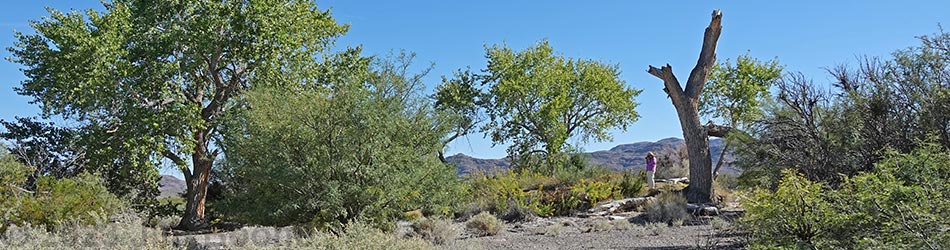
(668, 207)
(484, 224)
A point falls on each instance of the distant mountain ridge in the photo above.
(620, 157)
(170, 186)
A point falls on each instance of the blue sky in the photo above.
(805, 36)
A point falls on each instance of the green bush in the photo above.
(332, 156)
(631, 184)
(511, 194)
(904, 203)
(53, 202)
(596, 191)
(798, 213)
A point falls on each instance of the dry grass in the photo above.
(125, 232)
(435, 230)
(484, 224)
(668, 207)
(549, 230)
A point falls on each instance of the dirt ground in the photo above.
(591, 233)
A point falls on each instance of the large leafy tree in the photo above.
(735, 94)
(150, 79)
(361, 148)
(537, 100)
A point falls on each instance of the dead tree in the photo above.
(685, 102)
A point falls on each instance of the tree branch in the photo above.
(182, 165)
(670, 85)
(716, 130)
(707, 57)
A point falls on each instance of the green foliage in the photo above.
(902, 204)
(507, 190)
(359, 150)
(53, 202)
(149, 80)
(485, 224)
(537, 100)
(511, 193)
(50, 149)
(631, 184)
(798, 213)
(668, 207)
(596, 191)
(735, 92)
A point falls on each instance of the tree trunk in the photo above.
(697, 148)
(197, 183)
(686, 104)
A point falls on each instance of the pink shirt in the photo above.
(651, 164)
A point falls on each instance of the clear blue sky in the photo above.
(804, 35)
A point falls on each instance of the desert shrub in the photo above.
(902, 204)
(549, 230)
(52, 202)
(58, 201)
(798, 213)
(413, 215)
(596, 191)
(719, 223)
(668, 207)
(600, 225)
(484, 224)
(656, 228)
(362, 150)
(507, 193)
(435, 230)
(563, 201)
(357, 236)
(122, 231)
(631, 183)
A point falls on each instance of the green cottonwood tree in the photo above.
(150, 79)
(735, 93)
(537, 99)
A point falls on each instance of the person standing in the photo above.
(651, 169)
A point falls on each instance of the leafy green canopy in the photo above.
(736, 92)
(537, 100)
(149, 79)
(363, 149)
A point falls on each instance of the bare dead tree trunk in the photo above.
(686, 104)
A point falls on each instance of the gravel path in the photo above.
(634, 237)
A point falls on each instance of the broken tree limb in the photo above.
(716, 130)
(707, 57)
